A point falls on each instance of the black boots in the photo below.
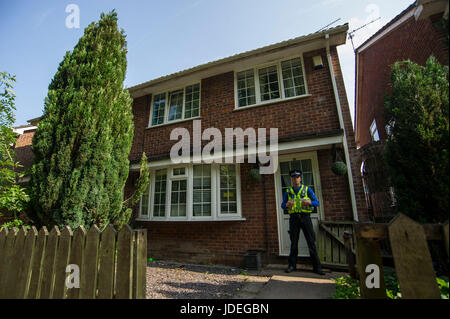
(319, 271)
(290, 269)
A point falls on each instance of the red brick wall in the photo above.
(414, 40)
(22, 148)
(227, 241)
(292, 118)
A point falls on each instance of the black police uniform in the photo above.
(298, 221)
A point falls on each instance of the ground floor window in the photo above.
(192, 192)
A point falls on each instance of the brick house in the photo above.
(410, 35)
(216, 213)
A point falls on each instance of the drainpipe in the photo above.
(266, 237)
(341, 124)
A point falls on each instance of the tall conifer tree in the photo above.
(83, 139)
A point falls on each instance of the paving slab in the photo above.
(273, 283)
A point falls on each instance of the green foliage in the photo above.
(141, 184)
(443, 286)
(18, 223)
(140, 187)
(348, 288)
(83, 139)
(339, 168)
(13, 198)
(392, 287)
(417, 151)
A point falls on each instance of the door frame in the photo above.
(277, 180)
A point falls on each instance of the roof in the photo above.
(341, 29)
(387, 25)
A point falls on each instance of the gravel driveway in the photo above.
(166, 280)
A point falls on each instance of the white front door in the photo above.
(307, 163)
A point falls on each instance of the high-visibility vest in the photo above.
(298, 207)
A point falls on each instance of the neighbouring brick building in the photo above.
(410, 35)
(215, 213)
(414, 35)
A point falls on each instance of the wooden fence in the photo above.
(330, 243)
(111, 264)
(412, 259)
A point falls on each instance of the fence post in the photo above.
(88, 284)
(350, 257)
(368, 252)
(10, 268)
(48, 270)
(107, 263)
(140, 264)
(62, 259)
(8, 251)
(24, 269)
(76, 258)
(38, 254)
(124, 274)
(412, 259)
(3, 235)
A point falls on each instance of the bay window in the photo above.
(193, 192)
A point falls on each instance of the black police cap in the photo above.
(295, 172)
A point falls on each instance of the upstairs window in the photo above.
(268, 83)
(281, 80)
(159, 106)
(192, 107)
(293, 80)
(176, 105)
(246, 88)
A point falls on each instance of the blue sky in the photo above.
(169, 36)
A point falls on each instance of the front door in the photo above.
(307, 163)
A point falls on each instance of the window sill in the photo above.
(174, 122)
(271, 102)
(238, 219)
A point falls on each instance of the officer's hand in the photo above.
(306, 202)
(290, 203)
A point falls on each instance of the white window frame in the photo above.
(167, 106)
(238, 191)
(148, 203)
(216, 214)
(152, 195)
(171, 178)
(255, 70)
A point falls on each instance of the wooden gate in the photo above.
(412, 259)
(331, 245)
(52, 264)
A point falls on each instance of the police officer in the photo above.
(299, 200)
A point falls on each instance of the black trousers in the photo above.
(296, 223)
